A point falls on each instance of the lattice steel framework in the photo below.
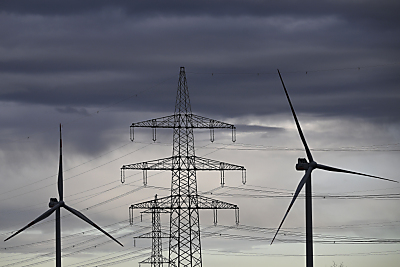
(184, 202)
(156, 259)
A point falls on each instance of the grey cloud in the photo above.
(256, 128)
(366, 8)
(98, 66)
(92, 57)
(80, 111)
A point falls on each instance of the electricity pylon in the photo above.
(184, 202)
(156, 259)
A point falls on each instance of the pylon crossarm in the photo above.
(150, 235)
(202, 202)
(214, 204)
(156, 209)
(210, 203)
(188, 119)
(158, 164)
(200, 164)
(151, 260)
(204, 164)
(196, 121)
(162, 203)
(162, 122)
(203, 122)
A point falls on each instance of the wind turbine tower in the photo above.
(184, 202)
(56, 206)
(308, 167)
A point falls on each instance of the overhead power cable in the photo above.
(74, 176)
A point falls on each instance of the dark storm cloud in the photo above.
(96, 53)
(382, 10)
(80, 111)
(97, 66)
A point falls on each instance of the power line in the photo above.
(74, 176)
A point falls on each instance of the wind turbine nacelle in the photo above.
(53, 202)
(302, 164)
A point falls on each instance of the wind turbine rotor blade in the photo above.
(38, 219)
(299, 187)
(86, 219)
(303, 139)
(60, 173)
(332, 169)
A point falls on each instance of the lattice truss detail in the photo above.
(184, 203)
(199, 164)
(195, 121)
(156, 259)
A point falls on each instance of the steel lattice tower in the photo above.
(184, 202)
(156, 259)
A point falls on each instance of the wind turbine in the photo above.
(56, 206)
(308, 167)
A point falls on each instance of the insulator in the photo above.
(212, 135)
(130, 216)
(131, 132)
(234, 134)
(122, 175)
(244, 178)
(154, 135)
(237, 216)
(215, 217)
(222, 178)
(154, 124)
(144, 177)
(221, 168)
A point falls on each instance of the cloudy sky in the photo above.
(97, 66)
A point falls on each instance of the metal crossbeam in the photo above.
(165, 203)
(150, 235)
(199, 164)
(196, 122)
(202, 202)
(210, 203)
(162, 203)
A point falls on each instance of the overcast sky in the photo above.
(97, 66)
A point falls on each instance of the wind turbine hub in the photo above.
(53, 202)
(313, 165)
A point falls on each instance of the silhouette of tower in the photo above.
(156, 259)
(184, 202)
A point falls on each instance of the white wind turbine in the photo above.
(56, 206)
(308, 167)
